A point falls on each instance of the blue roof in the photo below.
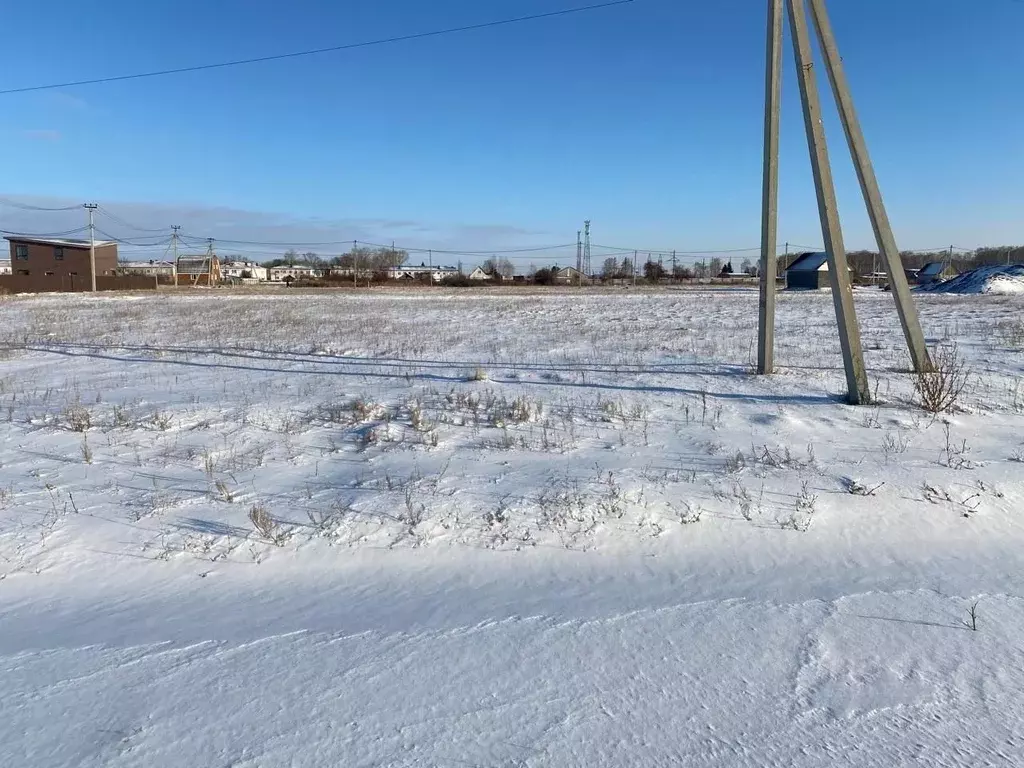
(931, 268)
(808, 262)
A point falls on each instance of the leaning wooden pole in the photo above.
(770, 191)
(828, 210)
(869, 187)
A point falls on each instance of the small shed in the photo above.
(808, 272)
(567, 276)
(197, 270)
(933, 272)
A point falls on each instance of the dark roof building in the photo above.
(932, 272)
(808, 272)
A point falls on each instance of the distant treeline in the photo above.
(865, 262)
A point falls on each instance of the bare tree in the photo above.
(654, 271)
(501, 268)
(610, 268)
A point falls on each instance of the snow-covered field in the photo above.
(504, 529)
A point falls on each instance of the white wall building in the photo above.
(5, 266)
(480, 274)
(294, 272)
(242, 270)
(422, 272)
(151, 268)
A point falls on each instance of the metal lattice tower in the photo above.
(586, 248)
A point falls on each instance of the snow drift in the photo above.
(1008, 279)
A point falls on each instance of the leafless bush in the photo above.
(77, 418)
(418, 419)
(972, 617)
(894, 443)
(120, 417)
(325, 523)
(806, 501)
(209, 463)
(803, 515)
(86, 450)
(954, 454)
(939, 389)
(226, 494)
(414, 511)
(780, 458)
(518, 411)
(334, 413)
(748, 506)
(612, 503)
(735, 463)
(161, 421)
(367, 410)
(266, 526)
(934, 494)
(689, 514)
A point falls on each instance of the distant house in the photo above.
(59, 263)
(422, 273)
(566, 276)
(243, 270)
(809, 272)
(288, 273)
(151, 267)
(198, 270)
(5, 266)
(363, 273)
(479, 274)
(933, 272)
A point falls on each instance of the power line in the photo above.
(26, 207)
(124, 223)
(108, 236)
(677, 252)
(44, 234)
(330, 49)
(350, 241)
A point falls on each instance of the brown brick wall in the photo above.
(74, 266)
(43, 283)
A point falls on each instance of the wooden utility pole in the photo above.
(870, 189)
(842, 291)
(770, 191)
(91, 207)
(175, 228)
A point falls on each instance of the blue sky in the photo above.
(645, 118)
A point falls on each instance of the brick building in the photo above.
(197, 270)
(59, 263)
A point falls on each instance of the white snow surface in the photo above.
(998, 279)
(505, 529)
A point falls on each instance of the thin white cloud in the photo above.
(42, 134)
(66, 100)
(264, 233)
